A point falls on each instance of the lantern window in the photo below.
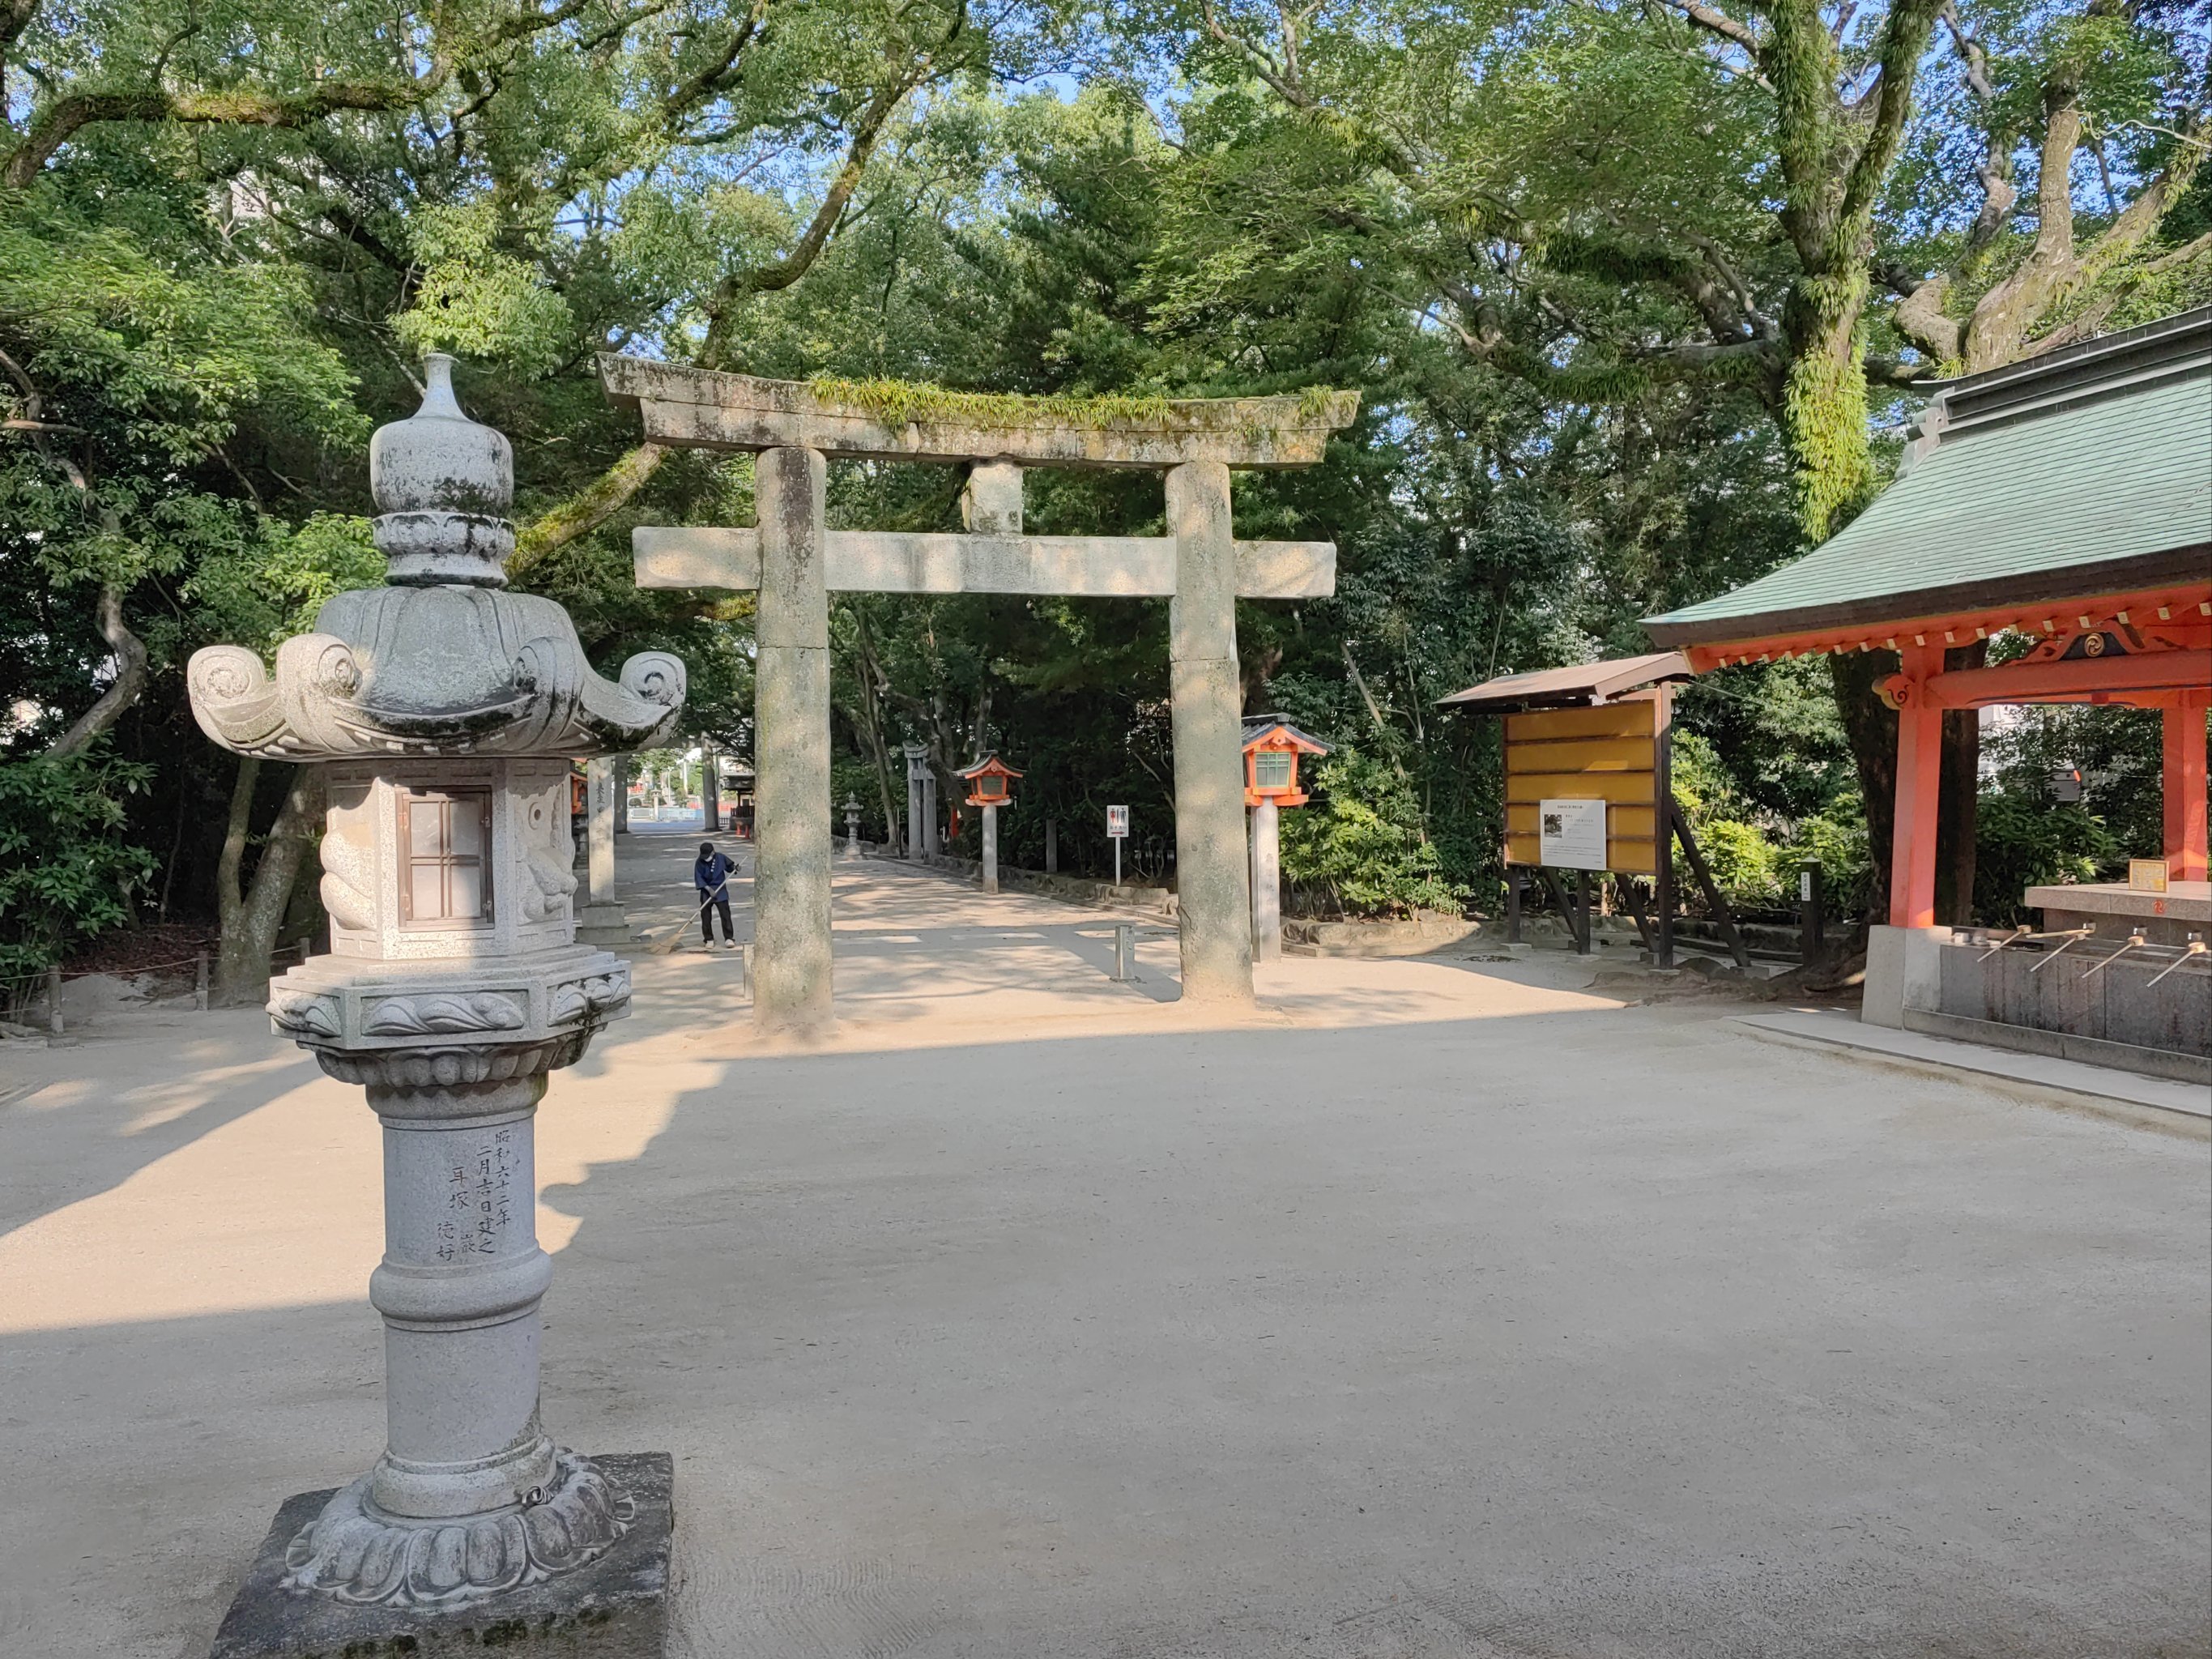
(1271, 768)
(445, 838)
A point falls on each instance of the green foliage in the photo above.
(2120, 752)
(268, 587)
(68, 869)
(1838, 842)
(1358, 848)
(1754, 851)
(1746, 864)
(476, 298)
(2027, 840)
(1542, 242)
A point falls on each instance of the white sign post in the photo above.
(1117, 831)
(1570, 834)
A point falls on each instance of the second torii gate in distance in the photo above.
(795, 561)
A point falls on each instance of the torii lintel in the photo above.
(704, 409)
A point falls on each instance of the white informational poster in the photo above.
(1570, 834)
(1117, 821)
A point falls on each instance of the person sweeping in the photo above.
(710, 879)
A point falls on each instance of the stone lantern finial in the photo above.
(446, 712)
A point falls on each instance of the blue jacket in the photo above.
(708, 875)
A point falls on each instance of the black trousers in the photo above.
(707, 910)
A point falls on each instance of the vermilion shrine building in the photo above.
(2068, 500)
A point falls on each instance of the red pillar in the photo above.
(2185, 789)
(1919, 777)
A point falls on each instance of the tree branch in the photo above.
(1993, 171)
(714, 78)
(15, 16)
(721, 306)
(1720, 23)
(129, 680)
(62, 120)
(1281, 77)
(122, 691)
(2003, 315)
(586, 510)
(1904, 39)
(1920, 316)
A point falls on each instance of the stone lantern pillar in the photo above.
(852, 827)
(445, 711)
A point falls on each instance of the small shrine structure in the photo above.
(921, 795)
(446, 712)
(2065, 502)
(988, 780)
(1271, 748)
(1590, 789)
(795, 561)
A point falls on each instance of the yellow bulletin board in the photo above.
(1613, 753)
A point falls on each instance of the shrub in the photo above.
(1358, 848)
(1746, 866)
(2024, 842)
(66, 872)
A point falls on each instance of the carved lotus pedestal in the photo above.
(446, 714)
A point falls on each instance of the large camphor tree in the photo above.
(228, 229)
(1602, 199)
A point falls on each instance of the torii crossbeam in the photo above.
(795, 562)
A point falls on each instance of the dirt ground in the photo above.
(1436, 1308)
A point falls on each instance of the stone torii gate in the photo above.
(795, 562)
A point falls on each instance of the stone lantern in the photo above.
(1271, 748)
(446, 712)
(852, 811)
(987, 780)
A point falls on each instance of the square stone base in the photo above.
(1904, 969)
(603, 926)
(615, 1608)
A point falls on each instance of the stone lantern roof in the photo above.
(442, 661)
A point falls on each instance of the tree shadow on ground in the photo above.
(72, 1133)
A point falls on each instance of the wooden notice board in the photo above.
(1613, 752)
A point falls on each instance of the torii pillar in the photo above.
(1213, 892)
(795, 562)
(791, 768)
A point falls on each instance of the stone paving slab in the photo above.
(2042, 1072)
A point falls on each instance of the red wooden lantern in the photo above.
(987, 782)
(1271, 748)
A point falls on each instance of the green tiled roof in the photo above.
(2038, 494)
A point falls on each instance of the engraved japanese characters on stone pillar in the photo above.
(446, 712)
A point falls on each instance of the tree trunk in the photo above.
(122, 691)
(1958, 807)
(870, 715)
(1824, 400)
(1871, 728)
(250, 916)
(304, 916)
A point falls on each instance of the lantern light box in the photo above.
(987, 782)
(1271, 748)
